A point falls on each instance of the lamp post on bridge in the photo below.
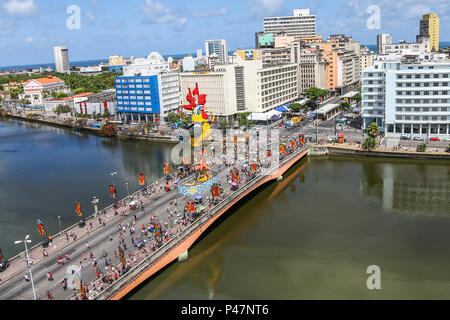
(112, 175)
(59, 220)
(25, 241)
(95, 203)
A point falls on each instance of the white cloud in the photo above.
(210, 13)
(261, 8)
(29, 39)
(21, 9)
(156, 12)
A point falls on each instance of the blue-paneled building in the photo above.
(138, 96)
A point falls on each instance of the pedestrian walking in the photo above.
(87, 245)
(67, 256)
(49, 295)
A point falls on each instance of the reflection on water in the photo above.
(310, 236)
(313, 235)
(44, 170)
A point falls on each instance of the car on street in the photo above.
(447, 139)
(405, 137)
(417, 138)
(138, 243)
(435, 139)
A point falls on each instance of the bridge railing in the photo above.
(160, 253)
(88, 219)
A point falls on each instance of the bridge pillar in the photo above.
(184, 256)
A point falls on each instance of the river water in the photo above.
(311, 236)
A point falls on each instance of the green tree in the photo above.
(344, 106)
(62, 109)
(373, 130)
(370, 144)
(314, 93)
(172, 117)
(422, 147)
(61, 95)
(295, 107)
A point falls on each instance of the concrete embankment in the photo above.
(347, 150)
(179, 245)
(152, 138)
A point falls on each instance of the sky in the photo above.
(29, 29)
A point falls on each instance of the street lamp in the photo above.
(28, 261)
(112, 175)
(59, 220)
(128, 192)
(95, 203)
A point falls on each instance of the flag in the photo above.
(78, 209)
(40, 227)
(121, 254)
(142, 179)
(113, 192)
(166, 168)
(196, 92)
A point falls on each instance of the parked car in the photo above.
(435, 139)
(417, 138)
(405, 137)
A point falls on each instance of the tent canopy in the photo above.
(257, 116)
(283, 108)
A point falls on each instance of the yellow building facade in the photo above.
(429, 26)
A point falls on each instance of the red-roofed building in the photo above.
(50, 105)
(38, 90)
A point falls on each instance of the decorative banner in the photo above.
(254, 167)
(190, 207)
(122, 257)
(1, 254)
(166, 168)
(292, 144)
(40, 227)
(78, 209)
(142, 179)
(113, 192)
(235, 176)
(215, 191)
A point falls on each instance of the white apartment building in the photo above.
(244, 86)
(219, 47)
(61, 59)
(300, 25)
(422, 45)
(149, 66)
(383, 39)
(366, 58)
(410, 99)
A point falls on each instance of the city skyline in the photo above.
(30, 29)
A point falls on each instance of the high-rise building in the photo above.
(219, 47)
(383, 39)
(300, 25)
(429, 26)
(199, 53)
(407, 98)
(61, 59)
(148, 89)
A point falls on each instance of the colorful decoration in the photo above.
(283, 148)
(201, 168)
(215, 191)
(201, 128)
(235, 176)
(40, 226)
(254, 167)
(166, 168)
(142, 179)
(113, 192)
(190, 207)
(78, 209)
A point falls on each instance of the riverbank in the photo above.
(141, 137)
(349, 150)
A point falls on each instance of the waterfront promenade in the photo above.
(96, 236)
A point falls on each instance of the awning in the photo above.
(282, 109)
